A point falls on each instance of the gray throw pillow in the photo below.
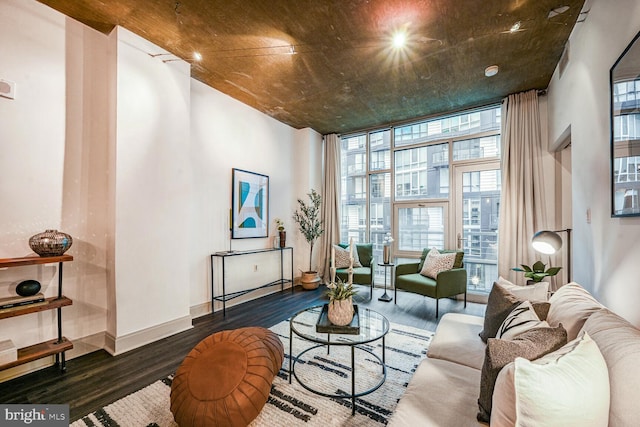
(530, 345)
(499, 304)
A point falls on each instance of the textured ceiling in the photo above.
(344, 75)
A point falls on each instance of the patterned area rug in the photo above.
(291, 404)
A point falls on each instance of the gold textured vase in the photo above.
(340, 312)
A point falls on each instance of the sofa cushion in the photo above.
(531, 344)
(436, 263)
(440, 394)
(500, 303)
(536, 292)
(456, 340)
(619, 343)
(457, 263)
(572, 305)
(568, 387)
(521, 319)
(417, 283)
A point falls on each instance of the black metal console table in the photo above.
(228, 296)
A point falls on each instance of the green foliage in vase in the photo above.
(341, 291)
(537, 271)
(308, 219)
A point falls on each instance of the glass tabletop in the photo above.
(373, 326)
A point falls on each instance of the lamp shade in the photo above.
(546, 242)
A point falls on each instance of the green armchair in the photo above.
(448, 283)
(361, 275)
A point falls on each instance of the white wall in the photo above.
(606, 251)
(133, 158)
(52, 148)
(227, 134)
(152, 191)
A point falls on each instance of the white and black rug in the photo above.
(291, 404)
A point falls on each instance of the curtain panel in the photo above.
(331, 201)
(522, 204)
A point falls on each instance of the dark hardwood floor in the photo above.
(97, 379)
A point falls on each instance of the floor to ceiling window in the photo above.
(433, 183)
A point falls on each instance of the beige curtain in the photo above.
(330, 201)
(522, 205)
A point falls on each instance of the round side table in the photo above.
(386, 297)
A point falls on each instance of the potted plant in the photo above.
(537, 271)
(308, 219)
(340, 295)
(282, 234)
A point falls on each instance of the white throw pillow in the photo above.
(343, 257)
(521, 319)
(569, 387)
(436, 263)
(536, 292)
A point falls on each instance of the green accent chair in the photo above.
(361, 275)
(448, 283)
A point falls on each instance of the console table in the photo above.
(228, 296)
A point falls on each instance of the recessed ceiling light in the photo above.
(491, 70)
(515, 27)
(197, 56)
(399, 39)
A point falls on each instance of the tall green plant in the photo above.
(308, 219)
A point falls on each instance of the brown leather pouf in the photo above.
(226, 379)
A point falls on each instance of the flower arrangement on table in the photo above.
(386, 248)
(279, 224)
(388, 239)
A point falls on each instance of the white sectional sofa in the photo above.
(445, 388)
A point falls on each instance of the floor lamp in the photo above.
(549, 242)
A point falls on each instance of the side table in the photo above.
(386, 297)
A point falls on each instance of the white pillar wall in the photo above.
(605, 249)
(152, 193)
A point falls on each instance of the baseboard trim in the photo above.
(122, 344)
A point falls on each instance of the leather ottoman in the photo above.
(225, 380)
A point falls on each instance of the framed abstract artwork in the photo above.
(250, 205)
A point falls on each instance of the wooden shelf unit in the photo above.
(56, 346)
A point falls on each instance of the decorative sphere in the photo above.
(28, 288)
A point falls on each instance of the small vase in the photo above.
(341, 312)
(283, 238)
(50, 243)
(386, 254)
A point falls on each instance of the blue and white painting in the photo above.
(250, 204)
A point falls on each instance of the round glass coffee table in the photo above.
(373, 326)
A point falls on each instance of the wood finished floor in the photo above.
(97, 379)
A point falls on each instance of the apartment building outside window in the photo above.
(626, 144)
(433, 183)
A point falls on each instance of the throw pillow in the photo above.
(437, 263)
(536, 292)
(569, 387)
(343, 257)
(501, 302)
(521, 319)
(456, 264)
(572, 305)
(498, 353)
